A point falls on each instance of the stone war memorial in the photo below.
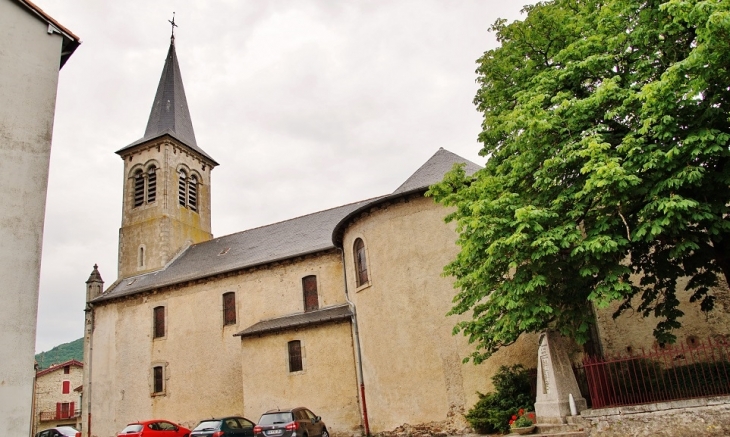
(556, 383)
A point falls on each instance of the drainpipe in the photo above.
(358, 355)
(86, 428)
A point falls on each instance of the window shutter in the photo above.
(66, 387)
(58, 410)
(72, 411)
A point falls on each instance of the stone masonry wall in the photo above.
(693, 417)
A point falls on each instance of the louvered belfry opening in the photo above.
(138, 188)
(193, 193)
(181, 184)
(151, 184)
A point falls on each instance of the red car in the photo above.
(154, 428)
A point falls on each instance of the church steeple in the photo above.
(170, 114)
(166, 202)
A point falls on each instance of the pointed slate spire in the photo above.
(170, 114)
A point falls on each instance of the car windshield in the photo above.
(208, 424)
(136, 427)
(67, 430)
(275, 418)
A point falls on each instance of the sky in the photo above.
(306, 105)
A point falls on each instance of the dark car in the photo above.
(59, 431)
(299, 422)
(224, 427)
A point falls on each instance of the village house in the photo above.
(342, 311)
(57, 398)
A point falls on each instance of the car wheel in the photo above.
(325, 433)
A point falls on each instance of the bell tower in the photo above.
(166, 204)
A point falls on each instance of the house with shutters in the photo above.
(342, 311)
(57, 397)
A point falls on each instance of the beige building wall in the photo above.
(327, 385)
(201, 357)
(30, 54)
(412, 364)
(49, 392)
(161, 228)
(630, 333)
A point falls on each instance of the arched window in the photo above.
(138, 188)
(309, 290)
(182, 187)
(193, 193)
(187, 190)
(151, 184)
(145, 186)
(361, 263)
(229, 308)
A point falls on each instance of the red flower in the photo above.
(531, 416)
(521, 412)
(514, 417)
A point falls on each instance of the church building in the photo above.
(342, 311)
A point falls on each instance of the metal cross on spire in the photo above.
(172, 34)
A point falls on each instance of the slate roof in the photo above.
(279, 241)
(298, 320)
(170, 114)
(276, 242)
(433, 171)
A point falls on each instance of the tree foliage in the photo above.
(606, 130)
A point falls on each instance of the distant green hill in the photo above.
(61, 354)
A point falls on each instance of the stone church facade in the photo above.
(342, 311)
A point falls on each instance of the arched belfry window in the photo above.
(151, 184)
(182, 183)
(193, 193)
(187, 190)
(361, 263)
(145, 186)
(138, 188)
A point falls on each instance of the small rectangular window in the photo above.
(159, 322)
(158, 376)
(295, 356)
(66, 370)
(229, 308)
(66, 387)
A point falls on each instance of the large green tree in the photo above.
(608, 176)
